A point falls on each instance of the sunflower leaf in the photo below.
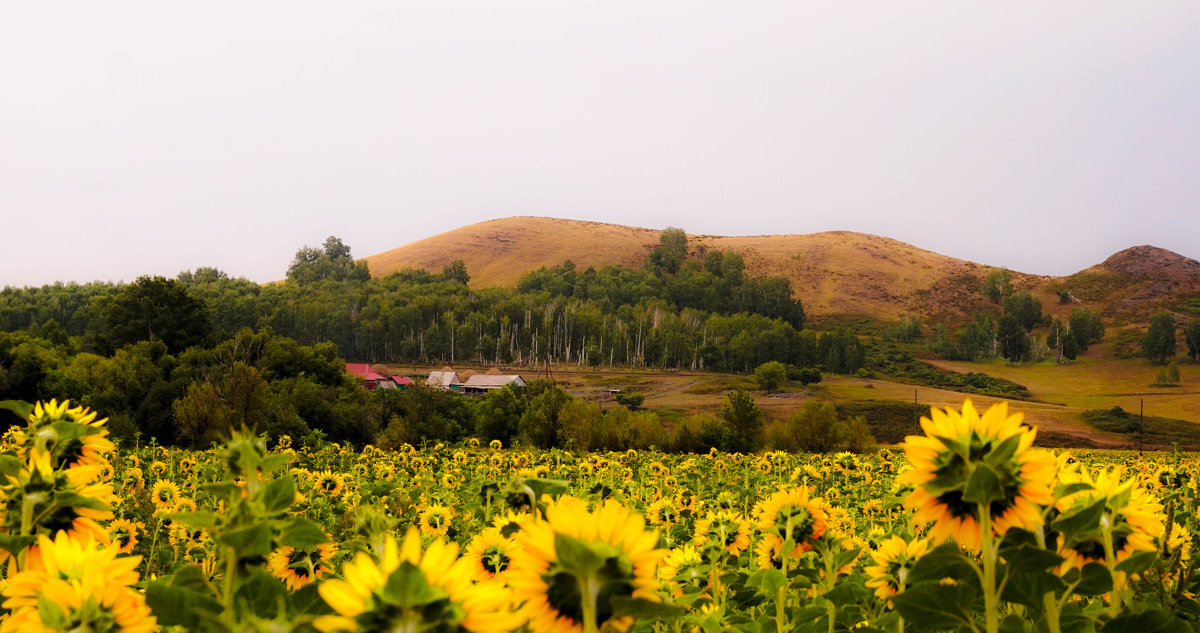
(767, 581)
(1094, 580)
(302, 533)
(1151, 621)
(20, 408)
(1137, 563)
(984, 486)
(279, 495)
(936, 607)
(407, 587)
(576, 557)
(252, 540)
(1085, 520)
(644, 609)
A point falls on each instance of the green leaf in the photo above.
(1138, 562)
(10, 465)
(195, 519)
(176, 606)
(274, 462)
(1152, 621)
(261, 594)
(944, 561)
(1085, 520)
(52, 615)
(576, 557)
(767, 582)
(644, 609)
(1094, 580)
(407, 587)
(983, 486)
(936, 606)
(307, 600)
(279, 495)
(252, 540)
(15, 544)
(1028, 558)
(550, 487)
(21, 408)
(302, 533)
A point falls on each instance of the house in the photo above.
(471, 383)
(445, 378)
(374, 380)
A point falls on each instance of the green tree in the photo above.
(770, 375)
(745, 420)
(500, 415)
(201, 415)
(540, 424)
(814, 428)
(1086, 327)
(1191, 335)
(1014, 342)
(456, 271)
(998, 285)
(1025, 308)
(1159, 343)
(155, 308)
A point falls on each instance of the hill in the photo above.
(837, 273)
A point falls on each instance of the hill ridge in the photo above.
(834, 273)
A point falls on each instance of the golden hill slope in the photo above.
(833, 273)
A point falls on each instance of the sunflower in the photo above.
(57, 500)
(133, 481)
(165, 495)
(992, 450)
(158, 468)
(510, 522)
(124, 534)
(330, 484)
(790, 515)
(894, 560)
(611, 555)
(768, 553)
(662, 512)
(681, 569)
(411, 589)
(92, 446)
(495, 444)
(1132, 516)
(66, 580)
(298, 567)
(435, 519)
(723, 529)
(490, 554)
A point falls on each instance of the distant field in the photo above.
(1065, 394)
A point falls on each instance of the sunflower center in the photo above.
(494, 560)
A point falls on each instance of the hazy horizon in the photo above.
(144, 138)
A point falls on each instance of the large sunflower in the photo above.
(966, 461)
(611, 555)
(490, 554)
(790, 514)
(413, 589)
(894, 560)
(70, 584)
(723, 529)
(1134, 518)
(298, 567)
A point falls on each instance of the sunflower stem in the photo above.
(988, 554)
(590, 592)
(1110, 561)
(1050, 604)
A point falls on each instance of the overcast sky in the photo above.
(153, 137)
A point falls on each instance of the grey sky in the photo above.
(152, 137)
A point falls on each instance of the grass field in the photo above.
(1064, 392)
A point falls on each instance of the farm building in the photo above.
(472, 383)
(372, 379)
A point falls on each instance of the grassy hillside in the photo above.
(834, 273)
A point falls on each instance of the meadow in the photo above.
(967, 526)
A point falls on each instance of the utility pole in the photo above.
(916, 413)
(1141, 424)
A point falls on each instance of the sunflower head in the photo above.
(573, 565)
(410, 588)
(793, 518)
(1131, 517)
(970, 467)
(894, 560)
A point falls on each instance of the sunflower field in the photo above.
(968, 527)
